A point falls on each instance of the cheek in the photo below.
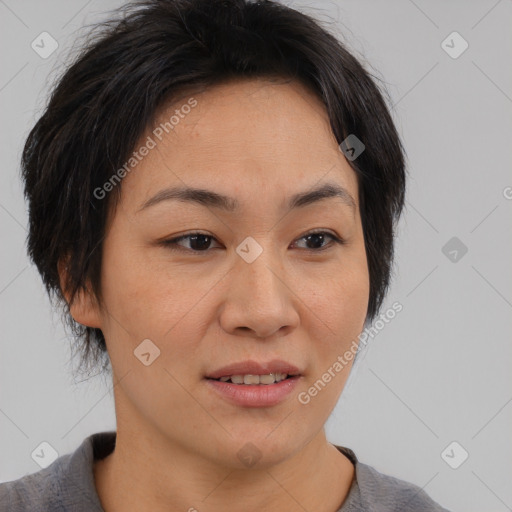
(339, 311)
(339, 297)
(147, 298)
(339, 308)
(351, 295)
(128, 297)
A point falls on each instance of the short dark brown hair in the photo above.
(145, 56)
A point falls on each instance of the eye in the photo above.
(201, 242)
(316, 240)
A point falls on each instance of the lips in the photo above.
(244, 368)
(236, 383)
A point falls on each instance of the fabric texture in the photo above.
(67, 485)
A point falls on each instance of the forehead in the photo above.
(241, 137)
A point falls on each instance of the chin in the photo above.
(261, 451)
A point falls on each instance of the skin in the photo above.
(177, 441)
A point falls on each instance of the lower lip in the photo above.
(255, 395)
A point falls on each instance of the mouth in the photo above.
(252, 384)
(252, 372)
(250, 379)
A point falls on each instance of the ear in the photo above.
(84, 308)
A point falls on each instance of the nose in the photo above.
(260, 302)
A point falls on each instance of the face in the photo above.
(276, 281)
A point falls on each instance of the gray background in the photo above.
(440, 371)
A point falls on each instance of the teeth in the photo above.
(266, 379)
(251, 379)
(255, 379)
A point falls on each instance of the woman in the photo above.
(213, 191)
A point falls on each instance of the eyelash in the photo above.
(172, 243)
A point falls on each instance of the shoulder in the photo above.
(66, 484)
(372, 490)
(392, 493)
(35, 492)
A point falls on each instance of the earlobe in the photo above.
(83, 308)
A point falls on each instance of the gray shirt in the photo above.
(67, 485)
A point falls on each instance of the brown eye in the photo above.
(202, 242)
(197, 242)
(317, 241)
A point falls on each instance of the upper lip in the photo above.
(254, 368)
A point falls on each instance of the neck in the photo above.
(145, 472)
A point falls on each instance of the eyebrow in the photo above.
(213, 199)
